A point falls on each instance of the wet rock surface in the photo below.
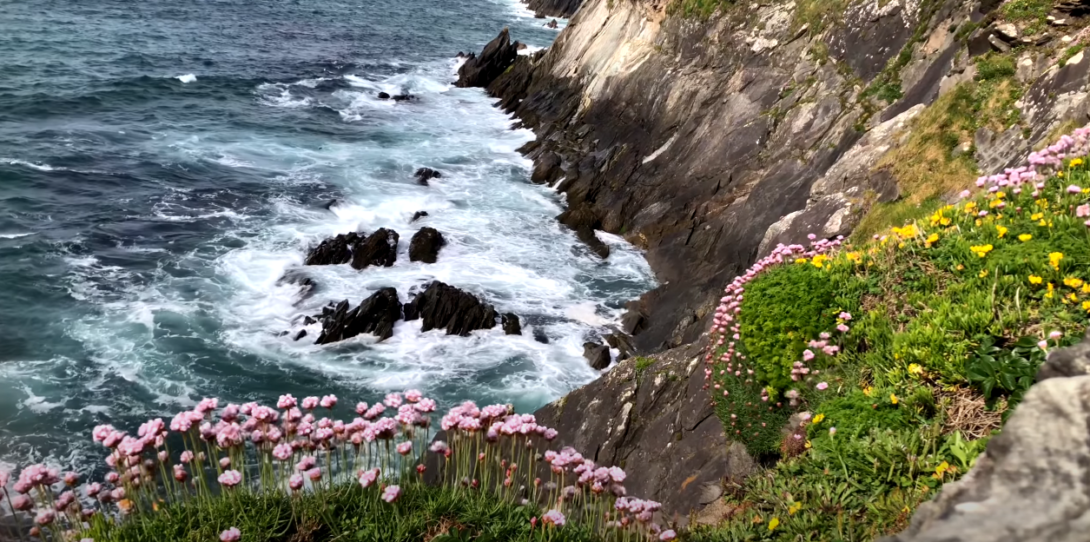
(424, 174)
(445, 307)
(425, 244)
(597, 355)
(511, 324)
(554, 8)
(375, 315)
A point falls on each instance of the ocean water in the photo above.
(164, 163)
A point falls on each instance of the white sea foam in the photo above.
(13, 235)
(187, 78)
(16, 162)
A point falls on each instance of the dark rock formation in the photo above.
(584, 222)
(302, 333)
(376, 315)
(333, 251)
(383, 96)
(597, 355)
(425, 245)
(418, 215)
(1032, 481)
(331, 204)
(622, 342)
(379, 249)
(448, 308)
(425, 173)
(547, 169)
(551, 24)
(480, 71)
(403, 97)
(553, 8)
(540, 336)
(511, 325)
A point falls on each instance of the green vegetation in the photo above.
(346, 513)
(940, 327)
(1069, 53)
(1032, 13)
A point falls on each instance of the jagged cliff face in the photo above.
(707, 142)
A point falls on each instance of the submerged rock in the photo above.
(418, 215)
(306, 285)
(383, 96)
(480, 71)
(333, 251)
(424, 174)
(380, 249)
(597, 354)
(445, 307)
(511, 324)
(376, 315)
(425, 245)
(551, 24)
(404, 97)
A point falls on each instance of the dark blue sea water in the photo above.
(164, 163)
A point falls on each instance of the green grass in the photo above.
(346, 513)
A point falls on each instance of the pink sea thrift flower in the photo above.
(310, 403)
(282, 452)
(405, 448)
(842, 328)
(368, 477)
(225, 462)
(186, 457)
(1074, 189)
(822, 385)
(230, 478)
(391, 493)
(807, 355)
(553, 517)
(1082, 211)
(285, 402)
(1055, 335)
(295, 482)
(45, 517)
(668, 534)
(846, 316)
(329, 401)
(393, 400)
(1043, 344)
(314, 474)
(832, 431)
(231, 535)
(413, 396)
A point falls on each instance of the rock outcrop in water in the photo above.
(375, 315)
(333, 251)
(425, 244)
(424, 174)
(379, 249)
(511, 324)
(450, 309)
(497, 56)
(597, 355)
(1032, 482)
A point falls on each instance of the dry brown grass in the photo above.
(965, 412)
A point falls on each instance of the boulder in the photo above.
(540, 336)
(380, 249)
(622, 342)
(331, 204)
(425, 245)
(333, 251)
(445, 307)
(403, 97)
(1033, 479)
(511, 325)
(302, 333)
(480, 71)
(426, 173)
(551, 24)
(418, 215)
(546, 169)
(597, 354)
(376, 315)
(383, 96)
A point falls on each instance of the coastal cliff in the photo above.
(707, 140)
(707, 133)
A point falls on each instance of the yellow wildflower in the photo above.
(1049, 294)
(1073, 282)
(867, 391)
(969, 206)
(1054, 259)
(893, 398)
(1002, 230)
(941, 470)
(817, 419)
(945, 221)
(1034, 279)
(914, 368)
(1042, 203)
(1036, 216)
(800, 260)
(1042, 223)
(1073, 297)
(979, 222)
(995, 203)
(795, 507)
(1025, 237)
(909, 230)
(855, 257)
(1000, 195)
(960, 267)
(901, 244)
(932, 239)
(1076, 162)
(808, 444)
(773, 523)
(1086, 306)
(1086, 288)
(983, 273)
(819, 260)
(1060, 174)
(981, 250)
